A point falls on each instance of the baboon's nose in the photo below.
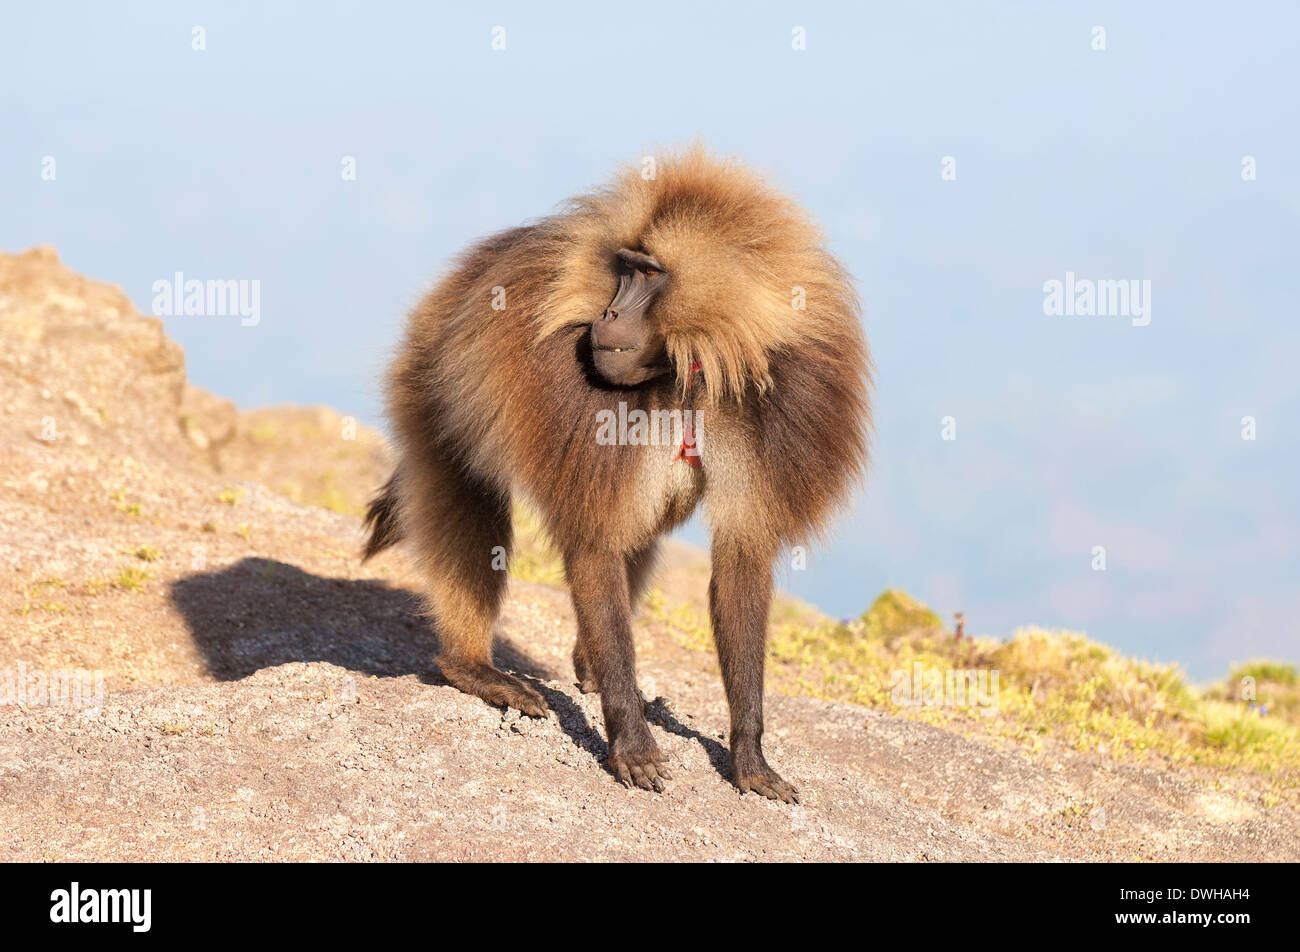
(611, 315)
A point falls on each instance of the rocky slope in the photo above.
(266, 697)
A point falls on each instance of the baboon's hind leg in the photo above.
(739, 595)
(640, 570)
(456, 524)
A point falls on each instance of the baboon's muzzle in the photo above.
(623, 344)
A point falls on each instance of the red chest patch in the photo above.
(688, 451)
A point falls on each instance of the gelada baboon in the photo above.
(686, 286)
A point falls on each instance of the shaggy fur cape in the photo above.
(505, 397)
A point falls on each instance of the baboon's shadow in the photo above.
(258, 613)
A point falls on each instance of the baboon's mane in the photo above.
(749, 274)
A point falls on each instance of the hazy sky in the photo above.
(1071, 431)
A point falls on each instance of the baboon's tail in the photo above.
(381, 520)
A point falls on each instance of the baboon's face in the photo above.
(626, 344)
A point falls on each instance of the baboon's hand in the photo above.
(642, 765)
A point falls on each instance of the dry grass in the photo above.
(1050, 684)
(534, 558)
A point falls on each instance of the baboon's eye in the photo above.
(651, 273)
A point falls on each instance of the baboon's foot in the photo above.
(750, 772)
(770, 785)
(586, 680)
(495, 687)
(639, 763)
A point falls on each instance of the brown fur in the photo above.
(489, 404)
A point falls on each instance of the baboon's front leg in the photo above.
(640, 570)
(599, 584)
(739, 594)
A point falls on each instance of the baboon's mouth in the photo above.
(618, 350)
